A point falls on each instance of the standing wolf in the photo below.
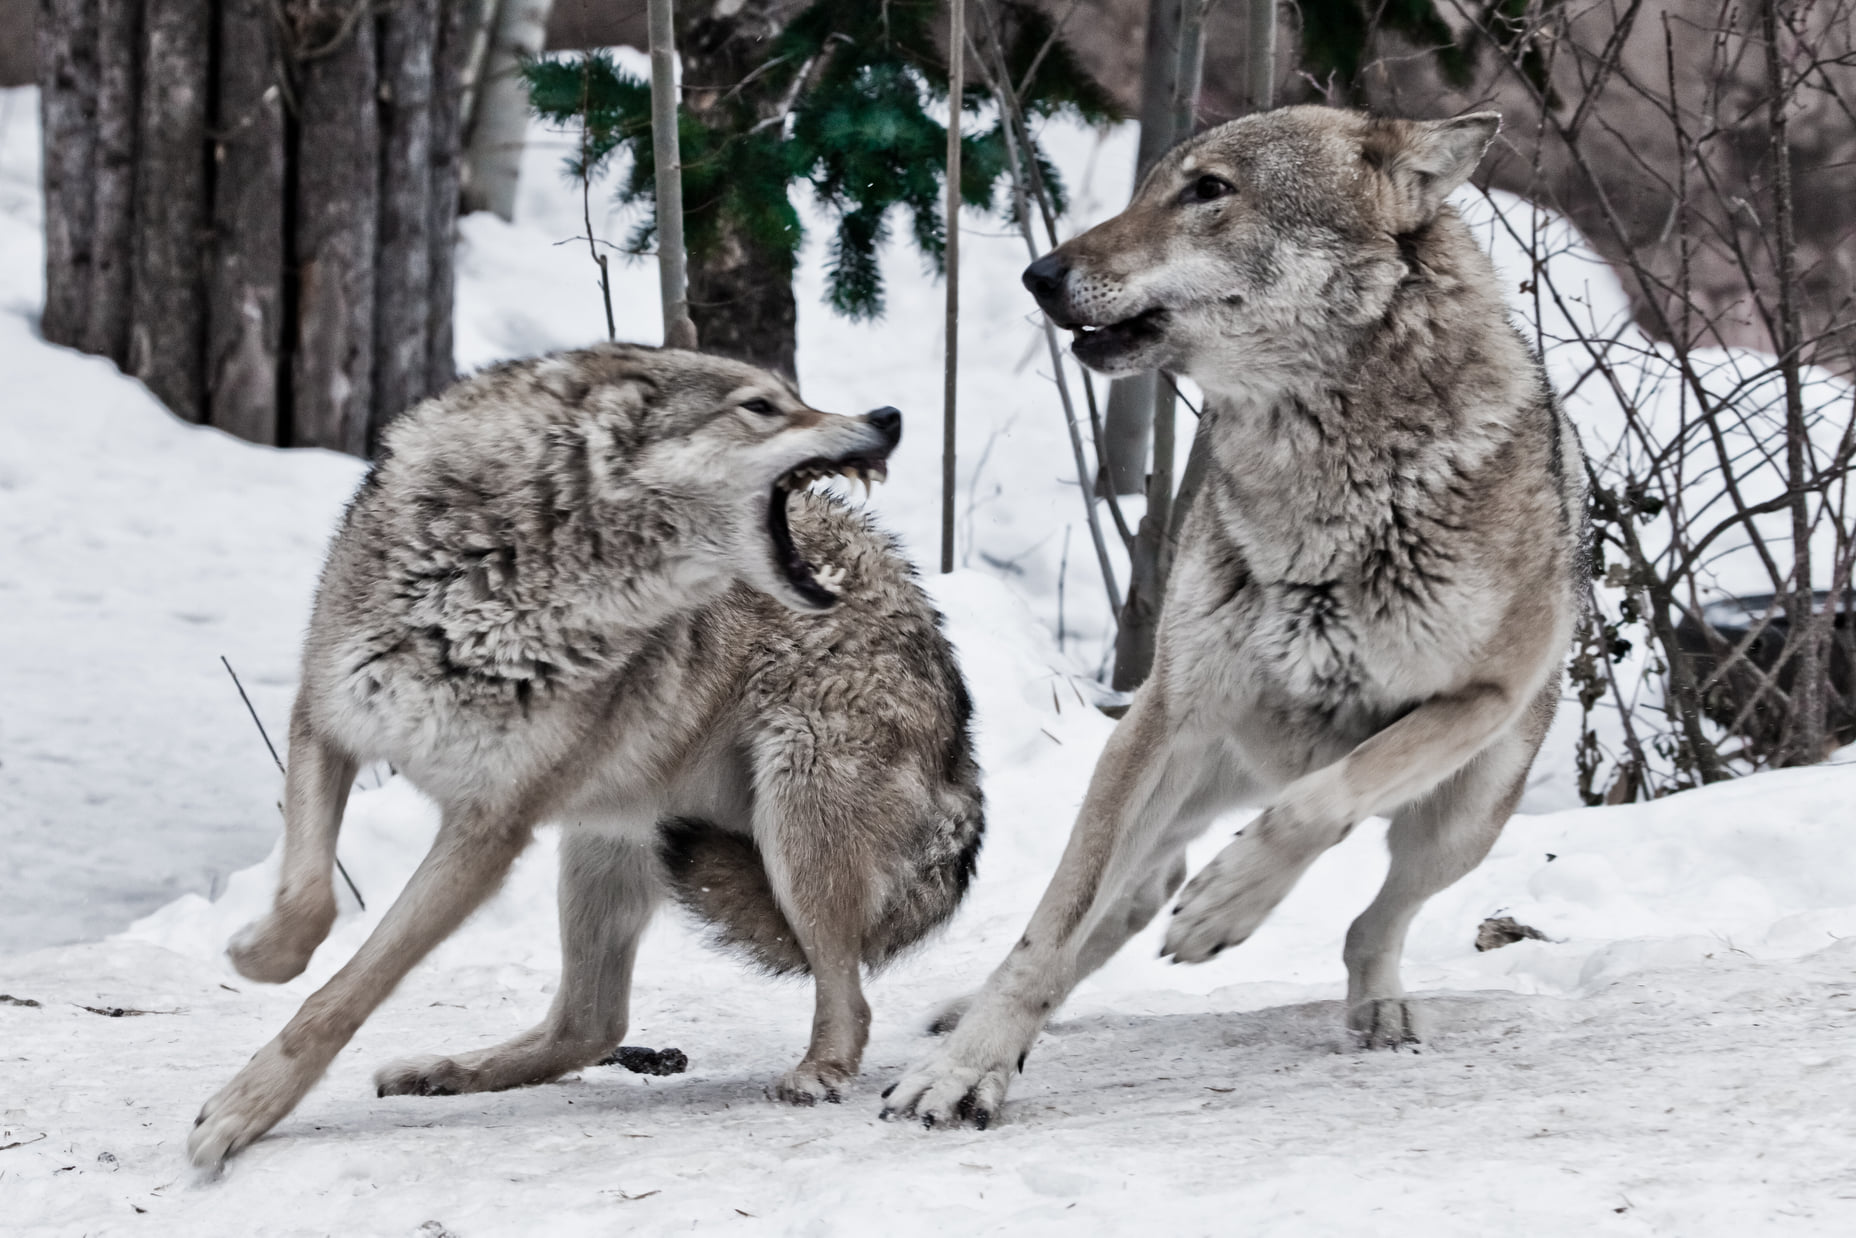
(1372, 593)
(572, 591)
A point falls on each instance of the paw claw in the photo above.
(1387, 1023)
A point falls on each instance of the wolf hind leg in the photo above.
(608, 894)
(1434, 842)
(823, 886)
(472, 852)
(277, 947)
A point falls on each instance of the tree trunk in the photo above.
(500, 124)
(408, 37)
(1151, 556)
(245, 287)
(667, 157)
(740, 293)
(167, 326)
(456, 29)
(741, 300)
(119, 87)
(67, 55)
(337, 216)
(1128, 421)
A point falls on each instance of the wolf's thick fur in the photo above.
(560, 597)
(1373, 592)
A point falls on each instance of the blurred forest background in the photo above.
(251, 206)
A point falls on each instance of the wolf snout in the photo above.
(886, 421)
(1045, 280)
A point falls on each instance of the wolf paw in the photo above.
(945, 1092)
(809, 1083)
(256, 1100)
(1225, 903)
(278, 947)
(1386, 1023)
(423, 1076)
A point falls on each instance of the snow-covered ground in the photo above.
(1674, 1058)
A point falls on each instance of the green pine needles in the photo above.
(840, 104)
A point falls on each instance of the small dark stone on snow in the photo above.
(643, 1061)
(7, 999)
(1498, 931)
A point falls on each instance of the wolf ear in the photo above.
(1427, 160)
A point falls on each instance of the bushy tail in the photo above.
(718, 874)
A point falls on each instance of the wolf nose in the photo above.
(1044, 278)
(888, 423)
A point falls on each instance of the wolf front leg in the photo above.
(277, 947)
(1435, 840)
(1152, 789)
(608, 891)
(1226, 902)
(467, 860)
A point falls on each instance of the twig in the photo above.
(265, 735)
(1016, 159)
(586, 190)
(956, 90)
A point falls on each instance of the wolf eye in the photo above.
(1208, 187)
(764, 407)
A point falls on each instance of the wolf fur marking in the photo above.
(571, 592)
(1372, 594)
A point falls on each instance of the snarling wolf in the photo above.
(593, 589)
(1373, 591)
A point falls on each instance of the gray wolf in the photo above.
(592, 589)
(1372, 593)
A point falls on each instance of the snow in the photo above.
(1673, 1058)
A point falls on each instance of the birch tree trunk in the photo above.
(500, 121)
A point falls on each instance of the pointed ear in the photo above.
(1427, 160)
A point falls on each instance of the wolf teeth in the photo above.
(829, 578)
(799, 479)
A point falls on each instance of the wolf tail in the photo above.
(720, 875)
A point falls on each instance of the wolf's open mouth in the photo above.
(1100, 338)
(815, 584)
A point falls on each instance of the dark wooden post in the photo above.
(408, 38)
(245, 286)
(337, 216)
(167, 325)
(67, 53)
(119, 92)
(252, 206)
(449, 57)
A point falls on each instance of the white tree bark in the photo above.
(499, 123)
